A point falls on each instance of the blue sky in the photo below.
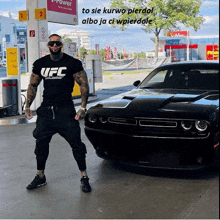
(132, 39)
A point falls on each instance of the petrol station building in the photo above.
(175, 45)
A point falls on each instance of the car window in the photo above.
(159, 77)
(208, 79)
(155, 80)
(179, 77)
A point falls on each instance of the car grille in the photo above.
(123, 121)
(145, 122)
(158, 123)
(151, 127)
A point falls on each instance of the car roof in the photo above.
(192, 62)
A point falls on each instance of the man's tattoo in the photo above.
(81, 79)
(32, 89)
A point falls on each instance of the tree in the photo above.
(103, 54)
(92, 52)
(120, 55)
(165, 15)
(142, 55)
(67, 39)
(82, 52)
(64, 37)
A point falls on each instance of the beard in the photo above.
(57, 52)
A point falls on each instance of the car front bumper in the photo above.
(166, 153)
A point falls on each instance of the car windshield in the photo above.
(199, 77)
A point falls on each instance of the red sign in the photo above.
(62, 6)
(212, 52)
(177, 33)
(124, 53)
(108, 51)
(115, 52)
(32, 33)
(182, 46)
(9, 84)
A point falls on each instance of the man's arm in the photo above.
(31, 93)
(82, 81)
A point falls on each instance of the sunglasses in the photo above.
(58, 43)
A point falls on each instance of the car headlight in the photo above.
(93, 118)
(187, 125)
(103, 119)
(201, 125)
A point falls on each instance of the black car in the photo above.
(170, 120)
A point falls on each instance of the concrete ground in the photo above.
(117, 193)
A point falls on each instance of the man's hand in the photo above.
(31, 94)
(80, 114)
(28, 114)
(82, 81)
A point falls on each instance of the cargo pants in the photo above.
(61, 120)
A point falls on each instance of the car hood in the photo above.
(163, 101)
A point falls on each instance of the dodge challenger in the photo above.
(170, 120)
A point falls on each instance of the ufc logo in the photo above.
(50, 72)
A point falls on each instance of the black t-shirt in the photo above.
(58, 78)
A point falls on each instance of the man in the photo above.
(57, 114)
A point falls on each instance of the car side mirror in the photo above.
(136, 83)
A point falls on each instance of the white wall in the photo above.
(6, 27)
(82, 38)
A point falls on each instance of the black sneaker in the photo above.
(85, 184)
(37, 182)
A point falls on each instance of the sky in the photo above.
(133, 39)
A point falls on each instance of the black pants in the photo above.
(52, 120)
